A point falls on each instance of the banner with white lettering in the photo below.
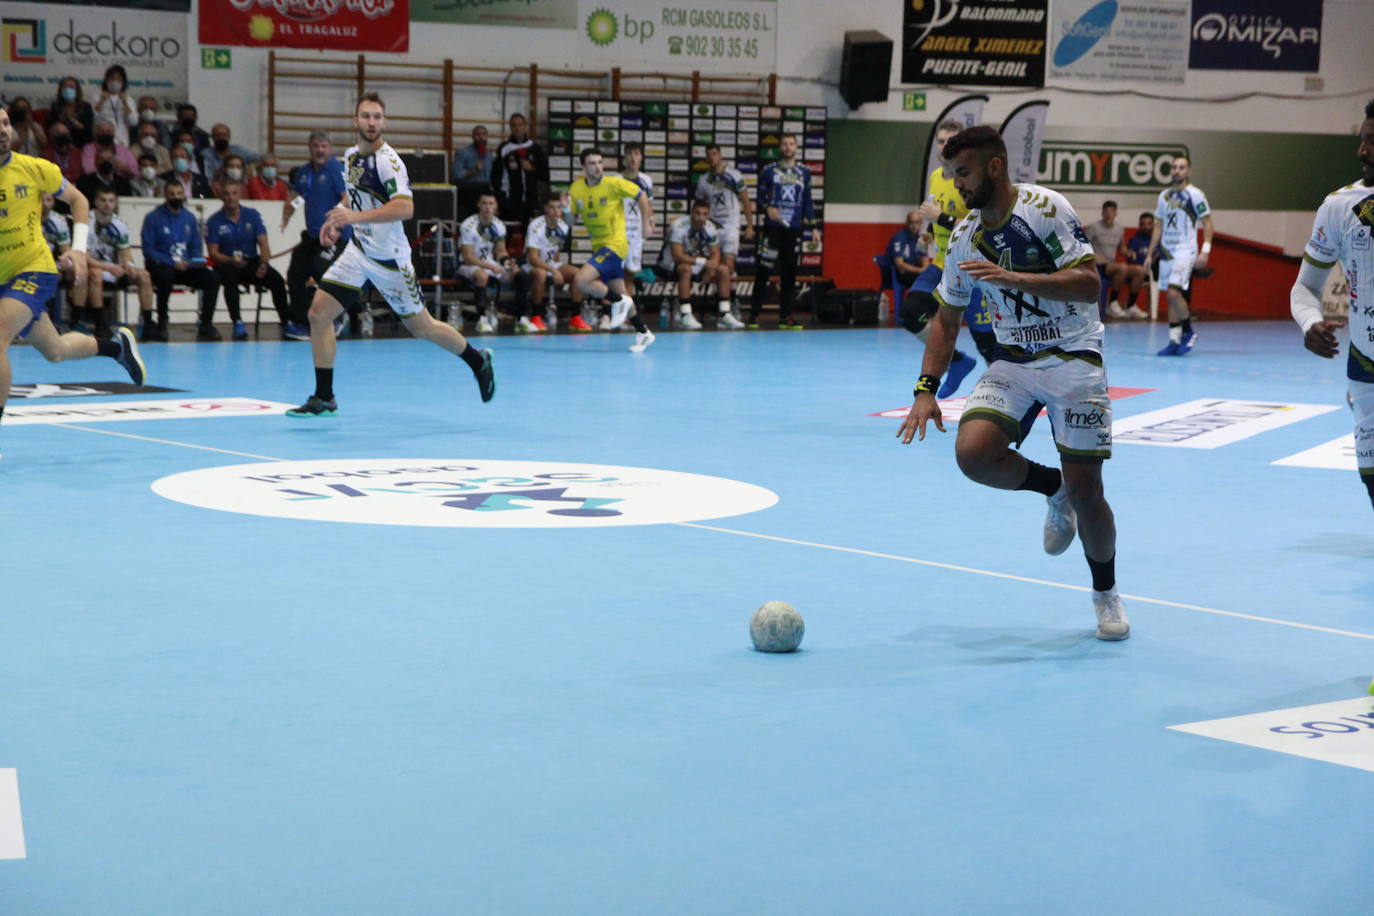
(1106, 40)
(353, 25)
(1256, 35)
(43, 42)
(975, 42)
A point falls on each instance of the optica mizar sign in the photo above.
(1088, 166)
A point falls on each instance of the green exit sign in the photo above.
(913, 101)
(215, 59)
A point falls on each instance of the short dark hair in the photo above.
(1110, 203)
(701, 202)
(588, 151)
(1185, 157)
(632, 146)
(486, 192)
(553, 197)
(186, 106)
(226, 182)
(713, 146)
(981, 138)
(369, 97)
(1369, 109)
(147, 157)
(1146, 216)
(109, 191)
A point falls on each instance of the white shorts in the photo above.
(729, 240)
(1178, 271)
(395, 280)
(554, 266)
(469, 272)
(634, 261)
(1362, 402)
(1073, 390)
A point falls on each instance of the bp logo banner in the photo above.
(1256, 35)
(345, 25)
(975, 42)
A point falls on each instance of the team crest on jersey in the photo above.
(21, 191)
(1364, 211)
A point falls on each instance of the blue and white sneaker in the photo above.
(128, 356)
(958, 371)
(1171, 349)
(1187, 343)
(293, 331)
(240, 331)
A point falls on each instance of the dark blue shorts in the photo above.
(929, 279)
(609, 265)
(34, 289)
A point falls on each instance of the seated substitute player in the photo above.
(546, 241)
(1181, 208)
(236, 237)
(1342, 233)
(724, 189)
(692, 252)
(71, 270)
(596, 201)
(110, 261)
(1025, 247)
(485, 264)
(28, 276)
(1138, 270)
(376, 202)
(631, 159)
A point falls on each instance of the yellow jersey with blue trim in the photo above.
(600, 209)
(943, 193)
(23, 181)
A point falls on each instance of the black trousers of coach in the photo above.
(199, 277)
(781, 244)
(232, 277)
(309, 260)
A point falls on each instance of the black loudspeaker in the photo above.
(426, 166)
(865, 68)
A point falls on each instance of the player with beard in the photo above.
(377, 201)
(1024, 246)
(1181, 209)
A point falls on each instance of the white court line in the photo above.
(207, 448)
(998, 575)
(11, 820)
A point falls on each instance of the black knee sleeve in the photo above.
(918, 307)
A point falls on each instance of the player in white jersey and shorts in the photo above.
(1025, 248)
(546, 247)
(691, 252)
(110, 260)
(484, 262)
(631, 158)
(377, 201)
(1181, 208)
(724, 189)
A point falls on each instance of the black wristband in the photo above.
(945, 221)
(927, 384)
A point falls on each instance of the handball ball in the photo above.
(776, 627)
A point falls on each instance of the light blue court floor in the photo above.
(436, 657)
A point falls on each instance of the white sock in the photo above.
(1176, 334)
(685, 308)
(724, 306)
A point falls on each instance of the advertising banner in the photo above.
(529, 14)
(1111, 40)
(967, 111)
(975, 43)
(1024, 132)
(42, 43)
(1256, 35)
(335, 25)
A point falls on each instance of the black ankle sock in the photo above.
(638, 321)
(1175, 324)
(1187, 326)
(324, 384)
(1367, 478)
(1041, 479)
(104, 347)
(1104, 573)
(472, 356)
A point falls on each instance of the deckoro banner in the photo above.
(342, 25)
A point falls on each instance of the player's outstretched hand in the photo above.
(924, 409)
(1321, 339)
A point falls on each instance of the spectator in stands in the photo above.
(192, 184)
(215, 156)
(1107, 238)
(186, 120)
(150, 142)
(104, 175)
(29, 137)
(104, 139)
(64, 152)
(148, 109)
(174, 255)
(146, 183)
(266, 184)
(237, 241)
(692, 252)
(186, 142)
(906, 252)
(484, 262)
(1138, 273)
(70, 109)
(319, 185)
(72, 269)
(522, 173)
(231, 169)
(472, 171)
(114, 104)
(546, 246)
(110, 262)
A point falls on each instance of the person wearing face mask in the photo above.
(71, 109)
(192, 183)
(174, 254)
(62, 151)
(29, 136)
(104, 139)
(231, 169)
(146, 183)
(149, 143)
(103, 176)
(215, 156)
(114, 104)
(266, 184)
(186, 120)
(148, 110)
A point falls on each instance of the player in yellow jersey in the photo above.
(28, 276)
(943, 209)
(596, 200)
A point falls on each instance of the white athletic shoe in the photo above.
(1061, 523)
(484, 326)
(642, 341)
(686, 321)
(525, 326)
(620, 310)
(604, 323)
(1111, 615)
(1136, 312)
(1114, 310)
(728, 322)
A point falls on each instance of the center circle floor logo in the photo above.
(464, 493)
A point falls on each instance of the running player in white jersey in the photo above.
(1344, 233)
(1024, 246)
(630, 161)
(1180, 210)
(110, 259)
(546, 245)
(485, 264)
(377, 201)
(724, 189)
